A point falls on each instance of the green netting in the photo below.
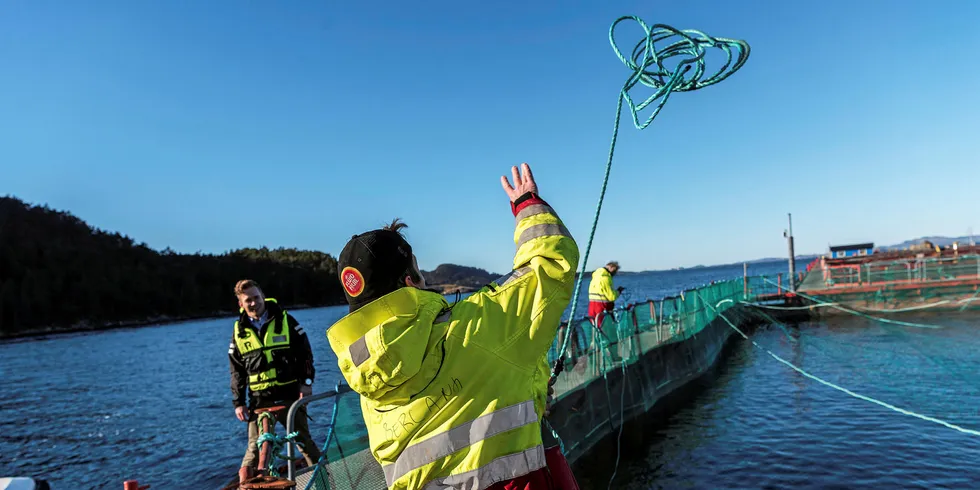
(630, 331)
(643, 351)
(347, 462)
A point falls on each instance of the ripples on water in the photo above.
(92, 410)
(153, 404)
(759, 424)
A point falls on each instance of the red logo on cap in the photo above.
(353, 281)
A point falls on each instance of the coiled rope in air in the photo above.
(647, 63)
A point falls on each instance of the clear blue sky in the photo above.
(223, 124)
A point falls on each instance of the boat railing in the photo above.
(291, 421)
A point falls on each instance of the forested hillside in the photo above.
(58, 272)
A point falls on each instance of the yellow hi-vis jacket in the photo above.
(265, 358)
(453, 396)
(601, 286)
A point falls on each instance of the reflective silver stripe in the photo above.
(513, 276)
(359, 351)
(545, 229)
(446, 443)
(501, 469)
(533, 210)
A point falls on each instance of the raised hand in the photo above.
(523, 182)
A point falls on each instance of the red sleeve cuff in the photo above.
(524, 201)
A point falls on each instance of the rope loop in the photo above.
(277, 443)
(648, 63)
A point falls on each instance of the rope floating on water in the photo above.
(911, 343)
(966, 304)
(840, 388)
(788, 308)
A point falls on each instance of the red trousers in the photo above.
(597, 311)
(536, 480)
(556, 476)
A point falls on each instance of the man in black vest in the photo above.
(271, 356)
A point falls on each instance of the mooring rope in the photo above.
(854, 312)
(787, 308)
(897, 332)
(840, 388)
(966, 304)
(276, 441)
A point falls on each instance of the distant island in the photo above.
(939, 241)
(450, 278)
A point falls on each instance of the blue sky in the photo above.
(217, 125)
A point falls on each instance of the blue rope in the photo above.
(859, 396)
(647, 64)
(278, 442)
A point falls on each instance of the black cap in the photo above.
(372, 265)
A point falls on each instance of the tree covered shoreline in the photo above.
(59, 274)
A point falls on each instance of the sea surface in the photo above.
(91, 410)
(760, 424)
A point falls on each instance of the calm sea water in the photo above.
(759, 424)
(153, 404)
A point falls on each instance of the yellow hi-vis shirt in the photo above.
(601, 286)
(453, 396)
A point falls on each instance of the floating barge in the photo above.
(922, 277)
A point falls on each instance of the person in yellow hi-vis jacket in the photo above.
(602, 296)
(453, 395)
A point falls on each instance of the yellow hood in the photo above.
(389, 349)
